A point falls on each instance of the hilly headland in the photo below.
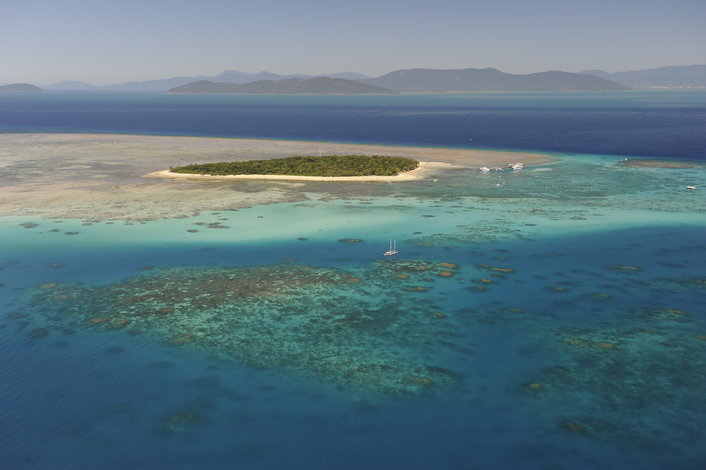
(19, 88)
(316, 85)
(489, 79)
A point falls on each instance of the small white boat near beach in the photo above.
(392, 250)
(517, 166)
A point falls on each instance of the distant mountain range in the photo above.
(317, 85)
(19, 87)
(229, 76)
(415, 80)
(491, 80)
(687, 76)
(434, 80)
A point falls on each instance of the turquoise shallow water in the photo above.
(547, 318)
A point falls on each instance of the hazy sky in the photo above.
(109, 41)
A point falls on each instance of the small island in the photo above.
(323, 166)
(19, 88)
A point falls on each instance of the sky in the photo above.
(103, 42)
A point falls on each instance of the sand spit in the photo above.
(101, 176)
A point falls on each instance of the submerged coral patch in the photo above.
(318, 322)
(350, 240)
(638, 364)
(624, 268)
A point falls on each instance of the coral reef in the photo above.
(622, 268)
(319, 322)
(350, 240)
(641, 361)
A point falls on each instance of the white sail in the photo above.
(392, 250)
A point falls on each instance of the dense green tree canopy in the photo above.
(327, 165)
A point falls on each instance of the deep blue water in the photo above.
(668, 124)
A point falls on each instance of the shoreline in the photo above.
(417, 173)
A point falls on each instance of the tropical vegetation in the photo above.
(327, 165)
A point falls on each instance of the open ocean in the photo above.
(641, 123)
(547, 318)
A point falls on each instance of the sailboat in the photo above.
(392, 250)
